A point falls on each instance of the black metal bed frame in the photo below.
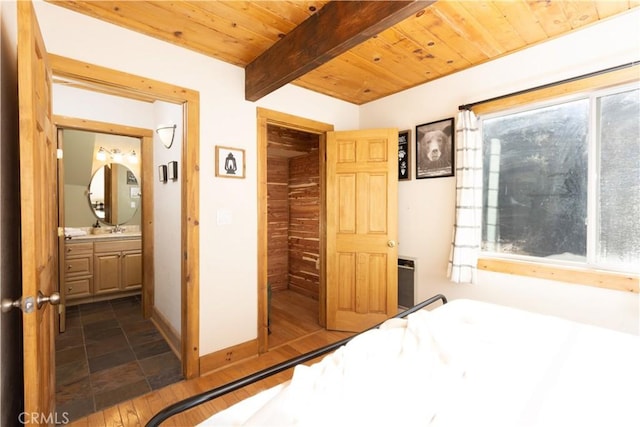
(206, 396)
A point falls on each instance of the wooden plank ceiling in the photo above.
(438, 40)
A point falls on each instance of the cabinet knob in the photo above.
(69, 267)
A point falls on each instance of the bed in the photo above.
(463, 363)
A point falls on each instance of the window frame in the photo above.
(558, 270)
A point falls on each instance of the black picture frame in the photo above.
(404, 155)
(435, 149)
(131, 178)
(162, 173)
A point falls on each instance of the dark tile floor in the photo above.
(109, 354)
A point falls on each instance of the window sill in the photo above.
(581, 276)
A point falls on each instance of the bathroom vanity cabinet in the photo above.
(102, 269)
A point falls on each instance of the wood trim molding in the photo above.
(96, 77)
(579, 276)
(167, 331)
(136, 87)
(102, 127)
(601, 81)
(227, 356)
(265, 117)
(146, 170)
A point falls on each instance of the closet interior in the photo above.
(293, 209)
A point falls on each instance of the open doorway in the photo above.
(291, 279)
(293, 230)
(104, 80)
(114, 344)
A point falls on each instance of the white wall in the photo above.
(167, 222)
(228, 252)
(86, 104)
(426, 206)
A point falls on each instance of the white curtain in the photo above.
(465, 245)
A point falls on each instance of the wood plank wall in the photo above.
(304, 224)
(293, 209)
(278, 222)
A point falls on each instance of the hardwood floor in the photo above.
(295, 331)
(292, 316)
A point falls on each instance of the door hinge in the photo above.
(60, 232)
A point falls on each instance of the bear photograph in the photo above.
(434, 149)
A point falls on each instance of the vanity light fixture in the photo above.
(132, 157)
(101, 155)
(166, 133)
(115, 155)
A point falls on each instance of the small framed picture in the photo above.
(162, 173)
(131, 178)
(404, 155)
(229, 162)
(172, 171)
(435, 149)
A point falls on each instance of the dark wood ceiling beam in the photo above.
(333, 30)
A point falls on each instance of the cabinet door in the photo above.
(106, 273)
(131, 270)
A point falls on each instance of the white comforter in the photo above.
(463, 364)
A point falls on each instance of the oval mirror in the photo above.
(114, 194)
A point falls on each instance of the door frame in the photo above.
(93, 77)
(146, 171)
(270, 117)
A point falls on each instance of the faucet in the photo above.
(117, 229)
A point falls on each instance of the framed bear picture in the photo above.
(435, 149)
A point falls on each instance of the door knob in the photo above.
(392, 243)
(53, 299)
(8, 304)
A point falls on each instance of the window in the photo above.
(562, 181)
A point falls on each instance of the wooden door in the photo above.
(62, 311)
(361, 206)
(38, 193)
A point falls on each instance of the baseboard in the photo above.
(227, 356)
(167, 331)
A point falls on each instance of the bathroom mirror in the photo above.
(114, 194)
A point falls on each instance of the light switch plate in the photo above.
(224, 217)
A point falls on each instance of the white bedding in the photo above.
(466, 363)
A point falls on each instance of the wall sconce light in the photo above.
(166, 134)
